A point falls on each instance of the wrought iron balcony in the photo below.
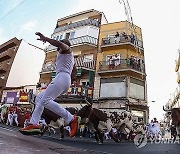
(48, 67)
(121, 40)
(79, 90)
(6, 55)
(3, 67)
(120, 65)
(85, 63)
(78, 41)
(78, 24)
(83, 40)
(80, 62)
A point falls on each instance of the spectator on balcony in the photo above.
(135, 64)
(111, 62)
(132, 62)
(117, 60)
(74, 88)
(116, 36)
(132, 38)
(127, 61)
(125, 36)
(139, 65)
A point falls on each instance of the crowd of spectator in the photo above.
(133, 62)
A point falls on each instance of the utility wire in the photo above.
(33, 45)
(11, 10)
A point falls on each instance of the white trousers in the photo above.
(58, 86)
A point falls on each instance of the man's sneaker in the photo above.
(74, 125)
(31, 129)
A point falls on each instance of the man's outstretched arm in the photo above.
(64, 48)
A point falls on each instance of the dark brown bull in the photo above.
(175, 115)
(92, 118)
(48, 115)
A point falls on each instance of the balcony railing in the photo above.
(79, 90)
(85, 63)
(112, 40)
(3, 67)
(122, 64)
(48, 67)
(6, 55)
(77, 24)
(75, 90)
(78, 41)
(80, 62)
(83, 40)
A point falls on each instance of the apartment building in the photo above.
(8, 52)
(20, 65)
(82, 29)
(120, 78)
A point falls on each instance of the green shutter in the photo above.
(53, 75)
(91, 74)
(79, 72)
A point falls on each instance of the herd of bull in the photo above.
(118, 126)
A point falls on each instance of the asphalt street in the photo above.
(13, 142)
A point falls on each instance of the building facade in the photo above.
(8, 52)
(174, 101)
(82, 29)
(20, 65)
(120, 79)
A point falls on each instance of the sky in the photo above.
(158, 20)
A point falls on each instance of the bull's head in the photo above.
(166, 110)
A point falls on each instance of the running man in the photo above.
(59, 85)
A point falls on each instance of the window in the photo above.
(2, 77)
(113, 87)
(88, 58)
(8, 62)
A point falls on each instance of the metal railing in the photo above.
(48, 67)
(83, 39)
(120, 65)
(85, 63)
(79, 62)
(112, 40)
(78, 24)
(77, 41)
(80, 90)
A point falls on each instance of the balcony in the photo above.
(3, 67)
(122, 65)
(80, 62)
(79, 43)
(6, 55)
(48, 67)
(112, 41)
(85, 63)
(79, 90)
(78, 24)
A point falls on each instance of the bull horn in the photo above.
(166, 109)
(87, 101)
